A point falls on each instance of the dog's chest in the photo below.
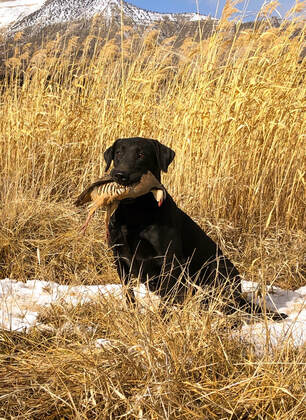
(129, 226)
(137, 214)
(131, 242)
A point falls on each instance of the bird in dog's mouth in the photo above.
(106, 192)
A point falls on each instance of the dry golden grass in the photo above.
(188, 367)
(233, 112)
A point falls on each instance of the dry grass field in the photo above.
(232, 109)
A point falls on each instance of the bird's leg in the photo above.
(90, 214)
(99, 202)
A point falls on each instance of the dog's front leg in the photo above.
(167, 269)
(124, 274)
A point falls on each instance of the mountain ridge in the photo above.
(61, 11)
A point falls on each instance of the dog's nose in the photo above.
(120, 177)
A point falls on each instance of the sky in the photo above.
(206, 6)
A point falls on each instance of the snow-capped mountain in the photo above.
(61, 11)
(13, 10)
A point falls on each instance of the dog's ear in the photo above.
(164, 155)
(109, 156)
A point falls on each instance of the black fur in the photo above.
(163, 246)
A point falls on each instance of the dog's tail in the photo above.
(254, 308)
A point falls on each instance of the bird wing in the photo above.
(85, 196)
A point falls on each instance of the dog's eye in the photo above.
(140, 155)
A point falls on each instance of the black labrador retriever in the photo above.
(161, 245)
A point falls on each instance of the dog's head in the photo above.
(134, 156)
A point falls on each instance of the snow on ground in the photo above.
(21, 303)
(291, 331)
(12, 10)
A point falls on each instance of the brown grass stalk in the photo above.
(232, 109)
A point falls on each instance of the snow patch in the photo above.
(21, 303)
(273, 335)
